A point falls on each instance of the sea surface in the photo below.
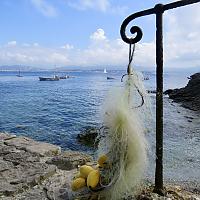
(56, 111)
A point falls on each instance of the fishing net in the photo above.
(122, 139)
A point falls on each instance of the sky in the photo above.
(85, 33)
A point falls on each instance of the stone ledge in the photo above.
(30, 145)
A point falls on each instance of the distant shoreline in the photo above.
(16, 68)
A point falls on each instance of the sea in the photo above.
(57, 111)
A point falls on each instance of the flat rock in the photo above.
(21, 157)
(69, 160)
(34, 147)
(28, 175)
(43, 149)
(20, 142)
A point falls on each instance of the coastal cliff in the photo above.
(189, 96)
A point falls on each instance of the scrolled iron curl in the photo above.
(137, 32)
(134, 30)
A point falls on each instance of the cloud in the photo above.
(33, 55)
(182, 42)
(181, 48)
(67, 47)
(145, 54)
(103, 51)
(100, 5)
(98, 35)
(26, 44)
(35, 44)
(45, 8)
(12, 43)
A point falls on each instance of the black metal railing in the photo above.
(158, 10)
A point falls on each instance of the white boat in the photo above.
(19, 74)
(104, 71)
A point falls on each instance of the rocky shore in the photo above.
(189, 96)
(31, 170)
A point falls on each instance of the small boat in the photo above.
(146, 78)
(104, 71)
(19, 74)
(110, 78)
(55, 78)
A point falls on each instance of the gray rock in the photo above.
(59, 187)
(69, 160)
(5, 165)
(24, 175)
(4, 149)
(20, 142)
(189, 96)
(30, 145)
(88, 137)
(43, 149)
(7, 189)
(21, 157)
(29, 174)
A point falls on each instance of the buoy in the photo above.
(78, 184)
(102, 161)
(85, 170)
(93, 179)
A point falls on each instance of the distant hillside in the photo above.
(16, 68)
(31, 68)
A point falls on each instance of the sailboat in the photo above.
(19, 74)
(104, 71)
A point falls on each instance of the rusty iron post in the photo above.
(159, 99)
(158, 10)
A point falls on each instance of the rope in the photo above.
(129, 71)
